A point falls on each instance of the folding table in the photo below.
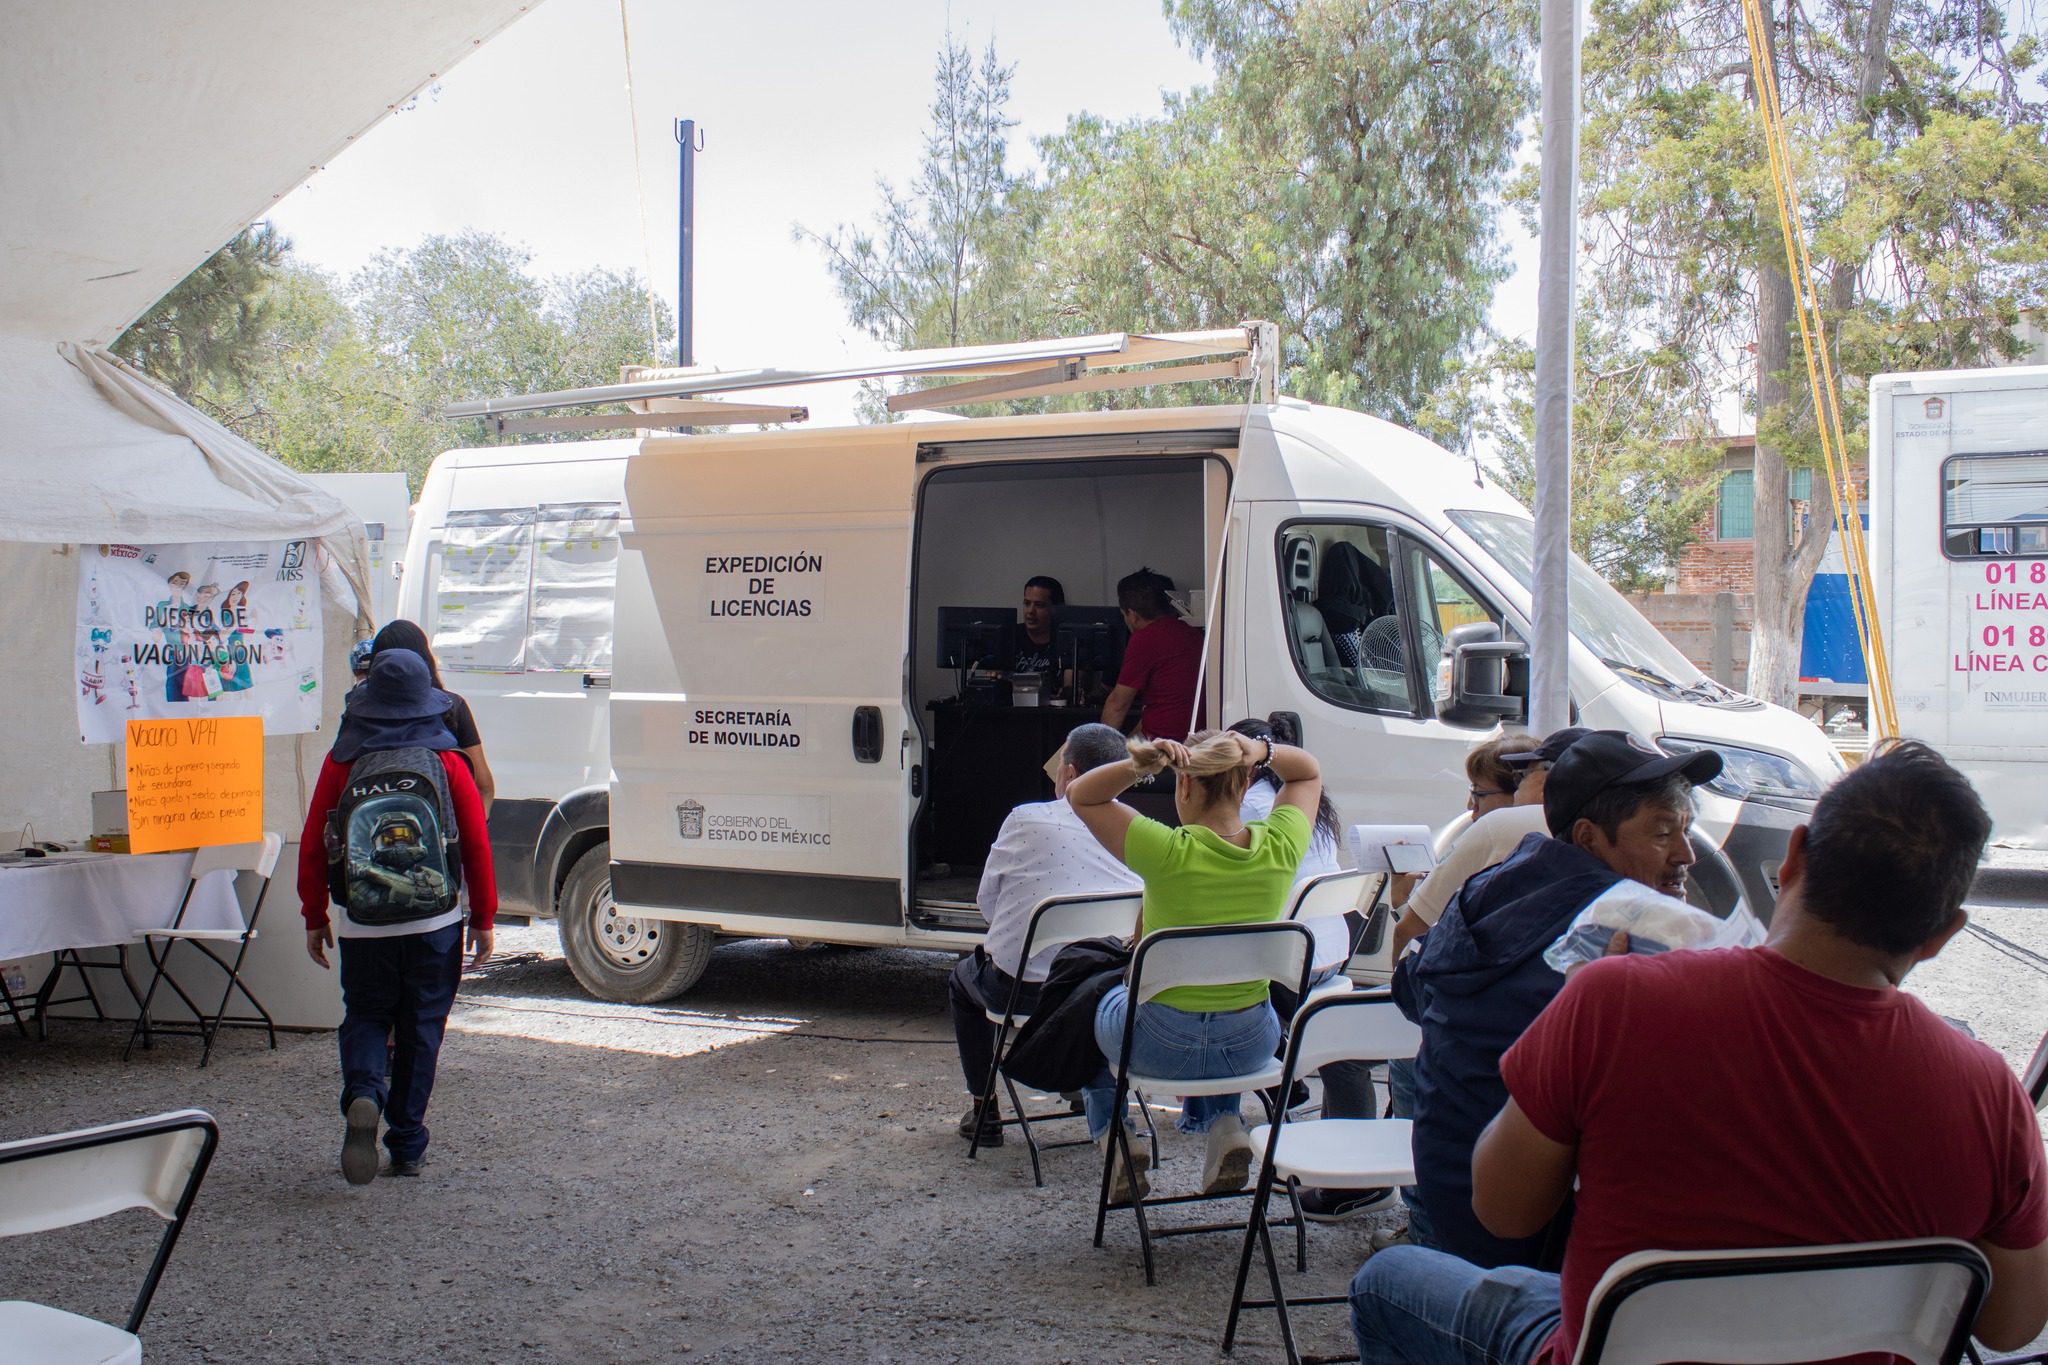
(69, 903)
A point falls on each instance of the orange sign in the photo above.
(192, 783)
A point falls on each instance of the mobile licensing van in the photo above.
(804, 745)
(1959, 562)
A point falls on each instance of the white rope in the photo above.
(640, 191)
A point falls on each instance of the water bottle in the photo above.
(15, 977)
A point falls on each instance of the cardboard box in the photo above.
(109, 843)
(110, 812)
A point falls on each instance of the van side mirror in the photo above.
(1489, 678)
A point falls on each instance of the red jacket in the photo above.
(474, 842)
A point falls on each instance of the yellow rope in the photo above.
(1820, 378)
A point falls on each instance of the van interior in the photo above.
(983, 529)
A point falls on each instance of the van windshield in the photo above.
(1602, 619)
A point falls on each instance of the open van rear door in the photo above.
(760, 746)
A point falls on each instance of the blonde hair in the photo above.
(1215, 760)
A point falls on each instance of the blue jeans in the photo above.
(1177, 1044)
(1401, 1086)
(401, 987)
(1419, 1307)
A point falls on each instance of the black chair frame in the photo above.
(1119, 1144)
(165, 1123)
(1256, 1226)
(202, 1026)
(1005, 1033)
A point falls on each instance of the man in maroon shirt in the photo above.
(1786, 1095)
(398, 980)
(1161, 663)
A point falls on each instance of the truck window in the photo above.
(1436, 602)
(526, 589)
(1342, 624)
(1995, 506)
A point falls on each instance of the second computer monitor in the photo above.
(1092, 639)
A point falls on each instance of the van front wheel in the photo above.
(624, 957)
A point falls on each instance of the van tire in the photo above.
(630, 961)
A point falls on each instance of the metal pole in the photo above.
(686, 246)
(1550, 652)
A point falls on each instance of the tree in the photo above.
(928, 271)
(1922, 168)
(201, 339)
(1336, 181)
(1641, 459)
(332, 377)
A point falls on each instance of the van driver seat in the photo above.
(1311, 633)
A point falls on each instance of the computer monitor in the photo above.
(968, 634)
(1092, 639)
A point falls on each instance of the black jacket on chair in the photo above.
(1056, 1050)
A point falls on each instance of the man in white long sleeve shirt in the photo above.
(1043, 850)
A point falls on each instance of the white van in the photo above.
(509, 569)
(799, 751)
(385, 505)
(1959, 563)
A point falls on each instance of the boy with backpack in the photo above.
(395, 834)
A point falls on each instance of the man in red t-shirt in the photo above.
(1161, 663)
(1788, 1095)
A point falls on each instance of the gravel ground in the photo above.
(764, 1169)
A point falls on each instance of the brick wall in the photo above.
(1711, 566)
(1687, 620)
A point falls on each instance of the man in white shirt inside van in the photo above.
(1043, 850)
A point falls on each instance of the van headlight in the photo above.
(1753, 774)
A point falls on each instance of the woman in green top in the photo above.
(1213, 869)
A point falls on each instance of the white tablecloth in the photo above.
(96, 900)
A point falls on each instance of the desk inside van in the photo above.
(985, 761)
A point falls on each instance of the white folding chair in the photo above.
(1329, 895)
(1055, 922)
(1211, 955)
(1917, 1299)
(1339, 1153)
(259, 858)
(55, 1182)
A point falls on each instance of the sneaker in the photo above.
(409, 1166)
(1228, 1163)
(1335, 1206)
(1128, 1184)
(359, 1145)
(990, 1126)
(1390, 1237)
(1075, 1104)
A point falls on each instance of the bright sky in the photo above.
(801, 109)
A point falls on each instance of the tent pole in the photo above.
(1550, 662)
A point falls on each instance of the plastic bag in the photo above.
(1654, 922)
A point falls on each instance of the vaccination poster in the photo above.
(183, 632)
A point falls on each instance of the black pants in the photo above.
(978, 985)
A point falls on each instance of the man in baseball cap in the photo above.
(1628, 804)
(1617, 810)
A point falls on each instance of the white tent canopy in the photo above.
(90, 453)
(136, 138)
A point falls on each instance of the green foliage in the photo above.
(354, 376)
(200, 339)
(1336, 181)
(1643, 462)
